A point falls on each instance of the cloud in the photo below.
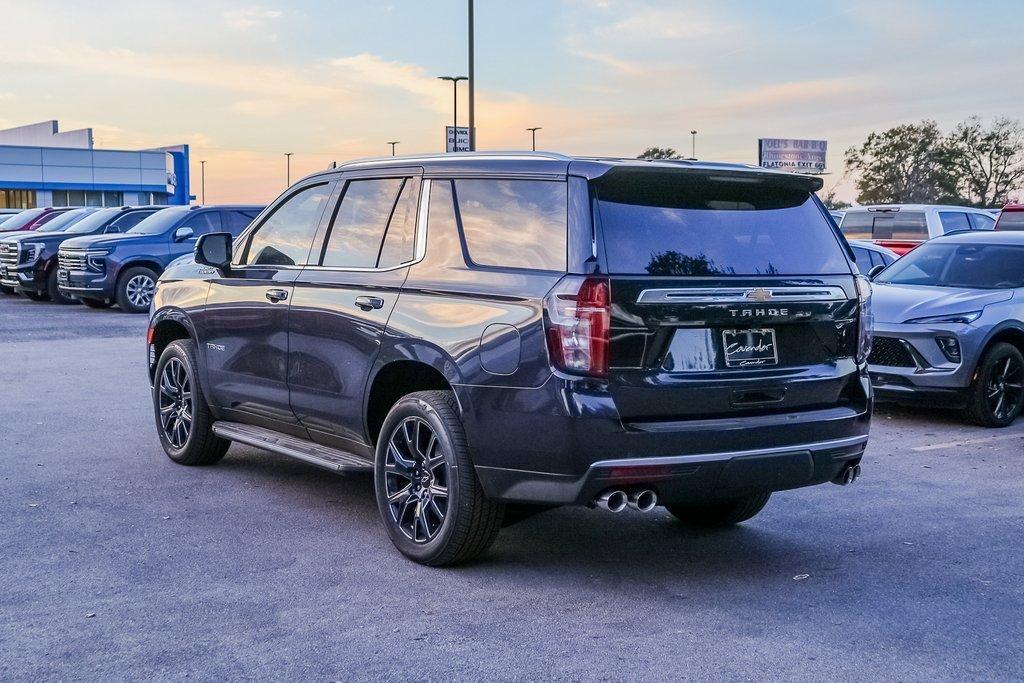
(249, 17)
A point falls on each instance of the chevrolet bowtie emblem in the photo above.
(759, 294)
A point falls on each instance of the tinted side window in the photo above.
(359, 223)
(954, 220)
(399, 243)
(285, 237)
(202, 223)
(127, 221)
(864, 263)
(236, 221)
(982, 222)
(514, 223)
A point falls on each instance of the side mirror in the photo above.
(182, 234)
(214, 249)
(875, 270)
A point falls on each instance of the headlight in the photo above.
(31, 252)
(865, 319)
(962, 318)
(97, 259)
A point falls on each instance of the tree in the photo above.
(988, 163)
(659, 153)
(903, 165)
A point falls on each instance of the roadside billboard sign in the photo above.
(456, 141)
(802, 156)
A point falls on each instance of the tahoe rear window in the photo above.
(694, 224)
(885, 225)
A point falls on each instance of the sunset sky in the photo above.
(244, 83)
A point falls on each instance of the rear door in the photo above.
(730, 296)
(343, 300)
(245, 321)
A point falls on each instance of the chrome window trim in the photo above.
(740, 295)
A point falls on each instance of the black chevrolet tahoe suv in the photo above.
(100, 270)
(497, 334)
(28, 261)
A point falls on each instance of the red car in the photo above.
(30, 219)
(1011, 217)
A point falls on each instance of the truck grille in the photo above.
(8, 254)
(890, 352)
(71, 260)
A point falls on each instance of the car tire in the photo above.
(422, 450)
(183, 419)
(36, 296)
(721, 514)
(53, 291)
(135, 289)
(96, 303)
(996, 394)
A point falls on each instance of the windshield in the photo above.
(160, 221)
(22, 219)
(1011, 220)
(97, 220)
(66, 220)
(690, 224)
(973, 266)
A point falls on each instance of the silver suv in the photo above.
(949, 326)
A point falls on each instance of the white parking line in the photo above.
(967, 442)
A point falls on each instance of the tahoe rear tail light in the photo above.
(578, 321)
(865, 319)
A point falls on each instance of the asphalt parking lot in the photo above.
(116, 563)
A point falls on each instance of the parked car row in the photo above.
(102, 256)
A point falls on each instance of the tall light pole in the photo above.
(693, 144)
(202, 182)
(455, 96)
(288, 160)
(472, 85)
(393, 143)
(533, 132)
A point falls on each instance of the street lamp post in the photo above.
(533, 133)
(455, 100)
(472, 85)
(393, 143)
(202, 182)
(288, 160)
(693, 144)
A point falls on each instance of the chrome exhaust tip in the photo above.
(643, 500)
(848, 475)
(613, 500)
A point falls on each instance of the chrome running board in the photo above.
(292, 446)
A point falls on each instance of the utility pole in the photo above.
(393, 143)
(455, 96)
(693, 144)
(472, 86)
(202, 182)
(288, 160)
(533, 131)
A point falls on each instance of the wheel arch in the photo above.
(167, 325)
(404, 369)
(1010, 333)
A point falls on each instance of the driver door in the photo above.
(245, 321)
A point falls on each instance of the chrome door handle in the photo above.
(368, 303)
(275, 295)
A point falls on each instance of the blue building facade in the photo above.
(42, 166)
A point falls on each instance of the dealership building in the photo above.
(42, 166)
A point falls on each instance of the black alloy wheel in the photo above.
(175, 403)
(996, 396)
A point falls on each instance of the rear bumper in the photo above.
(561, 444)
